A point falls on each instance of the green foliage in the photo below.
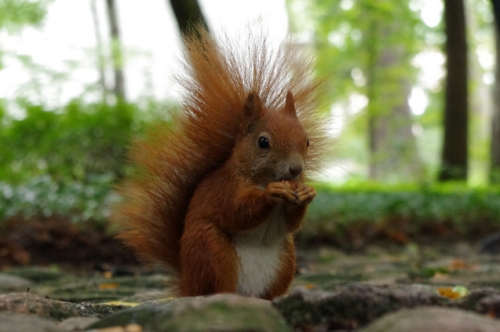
(73, 144)
(335, 209)
(334, 212)
(349, 34)
(15, 14)
(65, 162)
(364, 50)
(42, 196)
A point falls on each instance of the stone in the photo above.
(77, 323)
(427, 319)
(27, 303)
(10, 322)
(12, 283)
(222, 312)
(352, 306)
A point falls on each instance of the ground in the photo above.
(82, 270)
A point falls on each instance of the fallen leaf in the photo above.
(453, 293)
(121, 303)
(108, 286)
(458, 264)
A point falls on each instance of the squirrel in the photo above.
(220, 194)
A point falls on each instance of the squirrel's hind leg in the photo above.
(208, 262)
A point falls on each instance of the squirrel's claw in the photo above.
(305, 194)
(280, 192)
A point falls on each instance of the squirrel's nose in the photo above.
(295, 170)
(296, 165)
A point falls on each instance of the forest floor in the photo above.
(64, 263)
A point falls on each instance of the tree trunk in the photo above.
(188, 14)
(495, 134)
(454, 151)
(116, 51)
(99, 51)
(393, 155)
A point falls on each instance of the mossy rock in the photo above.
(223, 312)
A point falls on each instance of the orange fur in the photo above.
(205, 183)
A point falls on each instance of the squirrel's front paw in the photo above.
(281, 192)
(305, 194)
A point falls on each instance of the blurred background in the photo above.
(410, 88)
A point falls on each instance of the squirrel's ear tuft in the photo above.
(290, 105)
(253, 107)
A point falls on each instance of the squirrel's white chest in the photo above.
(259, 252)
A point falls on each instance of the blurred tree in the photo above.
(455, 149)
(389, 82)
(116, 50)
(15, 14)
(495, 136)
(188, 14)
(99, 49)
(364, 49)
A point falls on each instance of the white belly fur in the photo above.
(259, 252)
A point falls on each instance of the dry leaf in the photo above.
(120, 303)
(453, 293)
(108, 286)
(458, 264)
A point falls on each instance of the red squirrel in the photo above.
(219, 194)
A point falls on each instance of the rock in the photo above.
(77, 323)
(433, 319)
(490, 305)
(26, 303)
(12, 283)
(490, 244)
(223, 312)
(351, 306)
(22, 323)
(97, 310)
(99, 289)
(475, 300)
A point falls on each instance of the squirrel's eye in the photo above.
(307, 143)
(263, 143)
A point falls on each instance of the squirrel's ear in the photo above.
(253, 107)
(290, 104)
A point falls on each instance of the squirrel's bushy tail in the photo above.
(217, 75)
